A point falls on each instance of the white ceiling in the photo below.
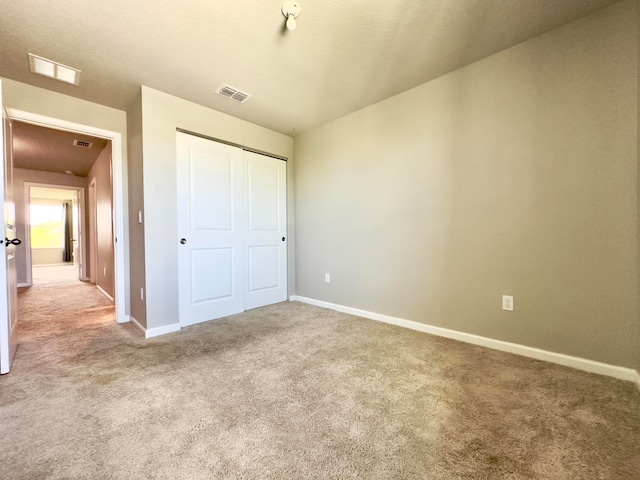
(344, 55)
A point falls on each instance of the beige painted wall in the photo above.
(51, 104)
(104, 269)
(20, 176)
(47, 256)
(136, 204)
(638, 185)
(161, 115)
(515, 175)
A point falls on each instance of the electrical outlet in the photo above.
(142, 294)
(507, 303)
(327, 278)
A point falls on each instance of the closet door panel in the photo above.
(266, 244)
(211, 226)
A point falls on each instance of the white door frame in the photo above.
(120, 243)
(27, 227)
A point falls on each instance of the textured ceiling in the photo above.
(344, 55)
(40, 148)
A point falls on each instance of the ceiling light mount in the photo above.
(291, 10)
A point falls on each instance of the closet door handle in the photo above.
(183, 241)
(15, 241)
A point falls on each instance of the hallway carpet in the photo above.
(47, 274)
(293, 391)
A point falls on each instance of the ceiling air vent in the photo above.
(233, 93)
(82, 143)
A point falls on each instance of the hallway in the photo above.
(57, 302)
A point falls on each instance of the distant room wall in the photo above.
(46, 256)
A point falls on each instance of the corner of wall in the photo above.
(136, 213)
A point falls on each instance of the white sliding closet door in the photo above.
(231, 229)
(211, 226)
(266, 230)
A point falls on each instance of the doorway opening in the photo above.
(53, 169)
(54, 241)
(109, 220)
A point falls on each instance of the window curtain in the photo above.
(67, 253)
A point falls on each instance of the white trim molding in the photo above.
(157, 331)
(591, 366)
(138, 326)
(102, 290)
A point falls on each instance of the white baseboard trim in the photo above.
(637, 380)
(103, 292)
(20, 285)
(591, 366)
(137, 325)
(157, 331)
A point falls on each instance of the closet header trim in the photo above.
(243, 147)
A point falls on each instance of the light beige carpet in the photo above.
(47, 274)
(294, 391)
